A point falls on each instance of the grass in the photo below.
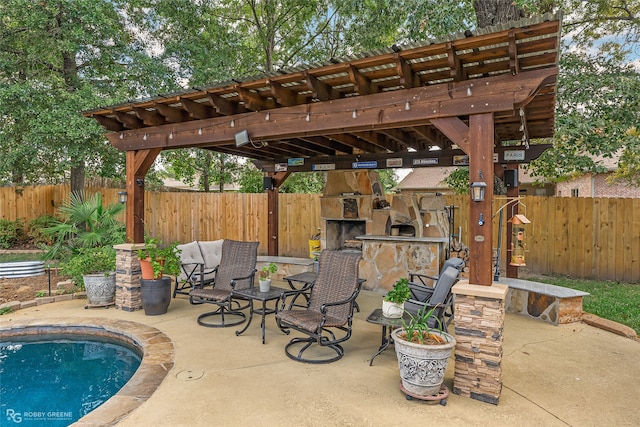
(20, 257)
(615, 301)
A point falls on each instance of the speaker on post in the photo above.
(511, 178)
(267, 183)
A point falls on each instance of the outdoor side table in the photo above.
(378, 318)
(305, 279)
(253, 294)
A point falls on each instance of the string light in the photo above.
(354, 114)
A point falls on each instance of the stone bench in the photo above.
(287, 266)
(551, 303)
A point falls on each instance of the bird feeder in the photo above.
(518, 244)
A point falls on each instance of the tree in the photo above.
(56, 59)
(202, 166)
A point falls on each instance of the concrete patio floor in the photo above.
(568, 375)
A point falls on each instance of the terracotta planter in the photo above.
(422, 366)
(155, 295)
(146, 269)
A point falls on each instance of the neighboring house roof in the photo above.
(432, 178)
(426, 179)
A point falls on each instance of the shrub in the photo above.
(35, 230)
(89, 261)
(10, 232)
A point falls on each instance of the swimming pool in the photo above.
(158, 359)
(57, 379)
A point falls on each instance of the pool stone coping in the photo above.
(158, 358)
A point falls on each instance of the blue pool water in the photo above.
(57, 380)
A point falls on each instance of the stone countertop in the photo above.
(405, 239)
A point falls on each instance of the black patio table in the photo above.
(254, 294)
(378, 318)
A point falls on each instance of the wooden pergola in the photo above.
(484, 94)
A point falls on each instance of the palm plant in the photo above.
(84, 223)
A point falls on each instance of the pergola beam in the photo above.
(374, 112)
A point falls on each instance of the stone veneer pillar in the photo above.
(479, 323)
(128, 277)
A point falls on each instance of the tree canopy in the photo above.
(59, 57)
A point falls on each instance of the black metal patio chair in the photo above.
(439, 296)
(236, 271)
(328, 318)
(429, 280)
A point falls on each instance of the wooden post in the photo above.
(272, 206)
(481, 135)
(138, 163)
(272, 219)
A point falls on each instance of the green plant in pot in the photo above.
(83, 236)
(393, 301)
(156, 260)
(93, 270)
(157, 264)
(423, 350)
(264, 276)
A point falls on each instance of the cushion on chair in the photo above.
(190, 253)
(212, 252)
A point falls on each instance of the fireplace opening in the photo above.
(340, 235)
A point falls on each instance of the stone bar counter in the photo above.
(386, 259)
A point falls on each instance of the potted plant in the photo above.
(393, 301)
(157, 264)
(155, 261)
(423, 350)
(93, 269)
(83, 237)
(264, 277)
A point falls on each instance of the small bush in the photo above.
(10, 232)
(35, 231)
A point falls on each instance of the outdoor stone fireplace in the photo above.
(409, 234)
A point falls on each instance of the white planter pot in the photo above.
(100, 288)
(265, 285)
(392, 310)
(422, 366)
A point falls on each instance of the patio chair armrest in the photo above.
(421, 277)
(293, 294)
(323, 307)
(420, 292)
(237, 279)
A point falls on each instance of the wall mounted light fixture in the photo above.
(122, 197)
(477, 191)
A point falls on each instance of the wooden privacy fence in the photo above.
(581, 237)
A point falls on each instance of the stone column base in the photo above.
(479, 322)
(128, 277)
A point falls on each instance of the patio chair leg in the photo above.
(222, 312)
(309, 342)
